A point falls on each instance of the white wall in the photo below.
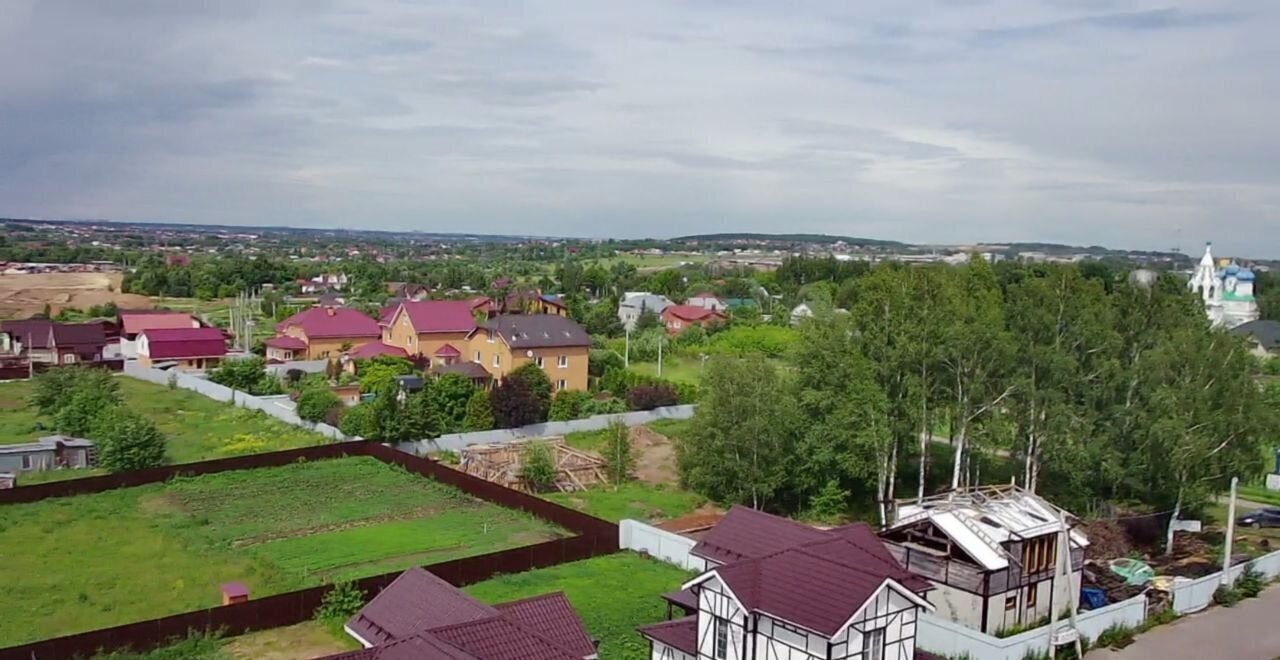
(1195, 595)
(663, 652)
(661, 544)
(456, 441)
(956, 605)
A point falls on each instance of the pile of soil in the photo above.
(1107, 539)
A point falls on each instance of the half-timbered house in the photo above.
(779, 590)
(991, 553)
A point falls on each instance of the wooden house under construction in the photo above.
(501, 464)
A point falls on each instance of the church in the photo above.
(1226, 289)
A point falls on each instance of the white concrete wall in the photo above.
(661, 544)
(956, 605)
(663, 652)
(456, 441)
(1195, 595)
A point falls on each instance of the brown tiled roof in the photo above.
(498, 638)
(680, 634)
(414, 601)
(553, 616)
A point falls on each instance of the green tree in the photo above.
(83, 407)
(450, 395)
(648, 320)
(127, 441)
(53, 388)
(479, 415)
(246, 375)
(314, 403)
(620, 463)
(514, 404)
(569, 404)
(537, 466)
(420, 417)
(358, 421)
(743, 434)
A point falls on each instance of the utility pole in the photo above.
(1231, 532)
(1062, 567)
(660, 338)
(626, 352)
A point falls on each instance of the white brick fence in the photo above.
(661, 544)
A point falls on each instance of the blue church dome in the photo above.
(1244, 275)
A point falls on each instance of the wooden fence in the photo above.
(594, 538)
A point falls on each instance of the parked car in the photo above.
(1260, 518)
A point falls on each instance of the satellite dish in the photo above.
(528, 353)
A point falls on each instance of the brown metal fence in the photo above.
(13, 371)
(594, 538)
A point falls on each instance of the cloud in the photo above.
(1120, 122)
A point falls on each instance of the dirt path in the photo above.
(300, 642)
(655, 456)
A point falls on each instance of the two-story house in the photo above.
(678, 318)
(557, 344)
(635, 303)
(991, 553)
(321, 332)
(775, 589)
(432, 330)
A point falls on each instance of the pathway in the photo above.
(1247, 631)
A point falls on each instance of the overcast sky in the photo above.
(1125, 123)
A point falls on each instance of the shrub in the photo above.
(359, 421)
(766, 340)
(1227, 596)
(55, 387)
(569, 404)
(1117, 636)
(617, 453)
(600, 359)
(537, 469)
(381, 371)
(450, 395)
(82, 408)
(830, 504)
(536, 380)
(196, 646)
(315, 403)
(648, 397)
(479, 415)
(127, 441)
(514, 404)
(340, 603)
(609, 406)
(1250, 582)
(247, 375)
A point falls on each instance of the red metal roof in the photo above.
(415, 601)
(499, 638)
(448, 351)
(376, 348)
(286, 342)
(680, 634)
(183, 343)
(132, 323)
(553, 616)
(33, 333)
(690, 313)
(439, 315)
(320, 322)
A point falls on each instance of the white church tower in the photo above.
(1227, 292)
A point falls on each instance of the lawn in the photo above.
(197, 427)
(635, 500)
(612, 595)
(80, 563)
(683, 370)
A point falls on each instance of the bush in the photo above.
(55, 387)
(766, 340)
(514, 404)
(609, 406)
(315, 403)
(246, 375)
(536, 380)
(830, 504)
(196, 646)
(340, 603)
(600, 359)
(82, 408)
(479, 414)
(569, 404)
(450, 395)
(358, 421)
(1227, 596)
(1250, 582)
(648, 397)
(1116, 636)
(127, 441)
(537, 469)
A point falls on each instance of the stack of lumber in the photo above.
(501, 463)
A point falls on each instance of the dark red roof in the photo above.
(376, 348)
(448, 351)
(413, 602)
(553, 617)
(33, 333)
(332, 322)
(439, 315)
(134, 322)
(500, 638)
(85, 339)
(286, 342)
(184, 343)
(745, 533)
(691, 313)
(680, 634)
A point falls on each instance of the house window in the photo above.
(1039, 554)
(478, 357)
(27, 463)
(539, 361)
(497, 360)
(561, 384)
(563, 362)
(873, 644)
(1031, 596)
(722, 639)
(489, 336)
(69, 358)
(1010, 603)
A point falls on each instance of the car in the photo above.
(1269, 517)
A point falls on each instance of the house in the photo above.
(408, 291)
(635, 303)
(778, 589)
(679, 317)
(1263, 337)
(325, 331)
(707, 300)
(991, 553)
(424, 328)
(285, 348)
(45, 342)
(421, 617)
(30, 338)
(182, 348)
(532, 302)
(133, 322)
(556, 344)
(323, 283)
(48, 453)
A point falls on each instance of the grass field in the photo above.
(80, 563)
(684, 370)
(635, 500)
(612, 595)
(197, 427)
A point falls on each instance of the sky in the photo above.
(1125, 123)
